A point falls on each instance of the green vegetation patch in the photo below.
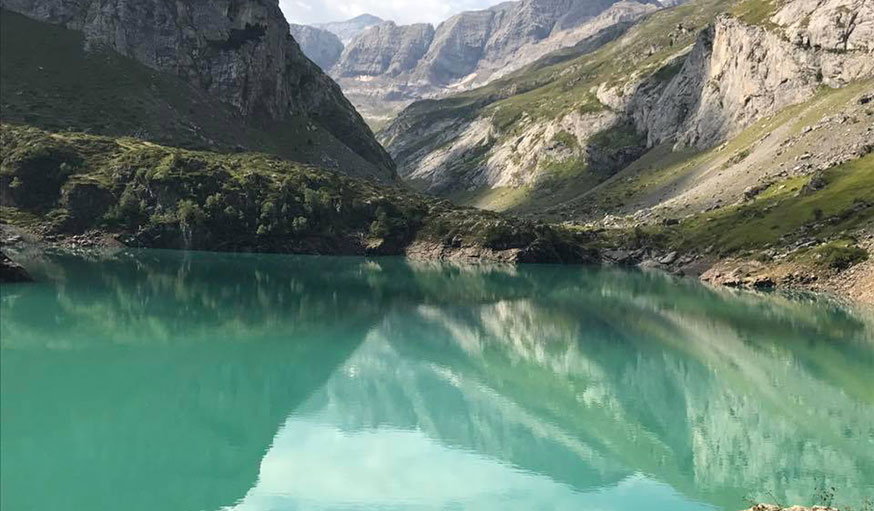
(823, 206)
(755, 12)
(838, 255)
(566, 139)
(164, 197)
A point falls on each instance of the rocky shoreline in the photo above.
(852, 285)
(774, 507)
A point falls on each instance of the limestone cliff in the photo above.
(738, 73)
(385, 49)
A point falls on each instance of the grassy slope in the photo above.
(48, 80)
(787, 212)
(660, 172)
(157, 196)
(829, 217)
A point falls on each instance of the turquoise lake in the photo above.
(176, 381)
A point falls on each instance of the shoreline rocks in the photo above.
(774, 507)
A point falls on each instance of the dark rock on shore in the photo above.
(10, 271)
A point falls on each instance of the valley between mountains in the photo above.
(726, 139)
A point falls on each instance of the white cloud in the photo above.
(401, 11)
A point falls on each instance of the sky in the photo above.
(400, 11)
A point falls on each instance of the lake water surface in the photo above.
(160, 380)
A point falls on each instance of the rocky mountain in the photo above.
(322, 47)
(238, 53)
(347, 30)
(385, 49)
(385, 66)
(717, 137)
(687, 77)
(473, 46)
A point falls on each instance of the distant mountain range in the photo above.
(383, 66)
(347, 30)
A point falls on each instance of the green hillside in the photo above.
(150, 195)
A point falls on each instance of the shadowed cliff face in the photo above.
(239, 51)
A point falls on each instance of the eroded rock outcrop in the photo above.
(838, 25)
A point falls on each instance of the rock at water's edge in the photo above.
(10, 271)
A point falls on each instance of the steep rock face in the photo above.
(738, 73)
(534, 20)
(829, 24)
(347, 30)
(239, 51)
(385, 49)
(459, 45)
(508, 36)
(322, 47)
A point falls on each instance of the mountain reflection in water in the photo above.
(194, 381)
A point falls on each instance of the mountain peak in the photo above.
(365, 18)
(347, 30)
